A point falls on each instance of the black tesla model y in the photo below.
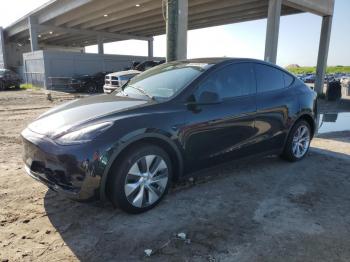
(168, 121)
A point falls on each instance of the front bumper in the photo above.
(70, 170)
(109, 89)
(43, 179)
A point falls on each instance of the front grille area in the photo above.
(115, 83)
(112, 83)
(57, 176)
(63, 171)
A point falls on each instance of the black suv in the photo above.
(170, 120)
(145, 65)
(9, 79)
(89, 83)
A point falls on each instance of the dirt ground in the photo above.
(251, 210)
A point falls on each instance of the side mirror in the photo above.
(208, 97)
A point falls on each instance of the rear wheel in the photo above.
(91, 88)
(140, 179)
(298, 142)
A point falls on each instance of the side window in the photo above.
(288, 79)
(229, 82)
(268, 78)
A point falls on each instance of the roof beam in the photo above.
(219, 21)
(18, 28)
(73, 41)
(59, 8)
(85, 11)
(235, 12)
(195, 6)
(215, 20)
(115, 12)
(50, 11)
(90, 32)
(320, 7)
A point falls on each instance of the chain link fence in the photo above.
(52, 83)
(35, 79)
(60, 84)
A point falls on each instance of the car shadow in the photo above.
(216, 207)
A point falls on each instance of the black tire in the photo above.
(288, 149)
(91, 88)
(2, 86)
(119, 175)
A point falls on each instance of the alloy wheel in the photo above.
(301, 141)
(146, 181)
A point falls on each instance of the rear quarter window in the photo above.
(288, 79)
(268, 78)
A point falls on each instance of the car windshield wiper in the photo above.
(142, 92)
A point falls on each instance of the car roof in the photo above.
(224, 60)
(219, 60)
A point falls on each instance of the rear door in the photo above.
(276, 99)
(214, 131)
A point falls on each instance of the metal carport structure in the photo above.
(77, 23)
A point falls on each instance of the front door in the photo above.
(215, 131)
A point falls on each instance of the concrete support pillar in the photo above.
(2, 49)
(150, 48)
(33, 32)
(100, 45)
(176, 29)
(272, 31)
(323, 53)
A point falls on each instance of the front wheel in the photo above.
(298, 142)
(140, 179)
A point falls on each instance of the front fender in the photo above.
(126, 141)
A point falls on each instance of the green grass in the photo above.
(29, 86)
(312, 69)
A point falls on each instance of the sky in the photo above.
(298, 40)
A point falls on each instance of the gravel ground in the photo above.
(250, 210)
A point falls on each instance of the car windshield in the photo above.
(2, 72)
(164, 81)
(126, 77)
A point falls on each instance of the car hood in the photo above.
(75, 113)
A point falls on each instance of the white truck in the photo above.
(115, 81)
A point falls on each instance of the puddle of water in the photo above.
(333, 122)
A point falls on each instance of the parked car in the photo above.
(9, 79)
(310, 79)
(88, 83)
(147, 65)
(115, 81)
(168, 121)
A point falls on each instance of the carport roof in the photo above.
(79, 22)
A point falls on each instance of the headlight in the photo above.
(83, 135)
